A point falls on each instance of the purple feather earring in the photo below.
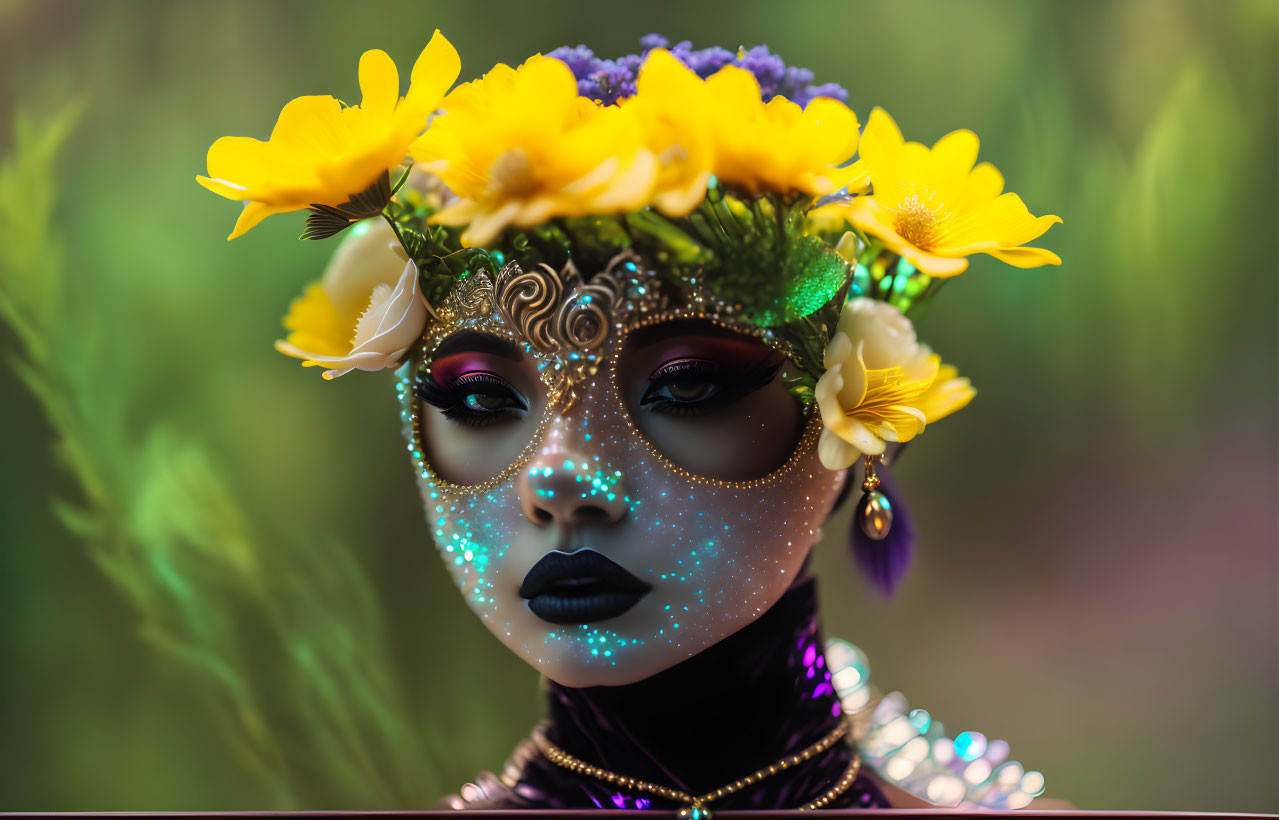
(882, 536)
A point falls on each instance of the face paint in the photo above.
(590, 517)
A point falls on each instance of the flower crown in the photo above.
(730, 173)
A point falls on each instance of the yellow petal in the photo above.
(316, 326)
(835, 453)
(855, 177)
(881, 141)
(311, 127)
(221, 187)
(547, 79)
(436, 69)
(948, 393)
(838, 350)
(831, 129)
(983, 184)
(253, 213)
(899, 422)
(1004, 220)
(485, 227)
(864, 439)
(457, 212)
(936, 266)
(677, 202)
(379, 82)
(240, 162)
(952, 159)
(737, 87)
(628, 189)
(671, 107)
(1025, 257)
(665, 75)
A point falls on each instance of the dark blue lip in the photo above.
(580, 587)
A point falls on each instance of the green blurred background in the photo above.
(1097, 577)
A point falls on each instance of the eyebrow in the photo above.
(473, 341)
(660, 332)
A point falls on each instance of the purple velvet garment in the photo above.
(758, 695)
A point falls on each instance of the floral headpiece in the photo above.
(730, 173)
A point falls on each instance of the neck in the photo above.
(759, 695)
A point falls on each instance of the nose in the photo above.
(568, 488)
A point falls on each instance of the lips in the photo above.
(580, 587)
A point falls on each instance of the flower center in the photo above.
(916, 223)
(512, 174)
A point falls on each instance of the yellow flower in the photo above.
(776, 145)
(934, 208)
(673, 108)
(322, 153)
(519, 146)
(364, 314)
(880, 384)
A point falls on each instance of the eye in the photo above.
(475, 399)
(693, 386)
(484, 403)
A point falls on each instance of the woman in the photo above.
(647, 314)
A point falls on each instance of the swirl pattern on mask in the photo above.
(584, 318)
(528, 301)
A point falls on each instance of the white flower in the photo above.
(880, 384)
(364, 314)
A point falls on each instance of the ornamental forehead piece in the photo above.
(554, 311)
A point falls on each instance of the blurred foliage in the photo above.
(1072, 535)
(285, 639)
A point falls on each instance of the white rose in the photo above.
(880, 384)
(364, 314)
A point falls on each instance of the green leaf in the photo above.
(324, 221)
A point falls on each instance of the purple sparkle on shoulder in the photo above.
(608, 81)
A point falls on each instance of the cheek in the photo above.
(474, 534)
(752, 439)
(726, 553)
(472, 455)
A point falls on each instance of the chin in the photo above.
(604, 653)
(577, 669)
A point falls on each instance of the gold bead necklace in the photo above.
(695, 806)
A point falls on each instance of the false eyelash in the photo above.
(736, 383)
(449, 399)
(433, 393)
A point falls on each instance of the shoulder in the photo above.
(497, 792)
(913, 758)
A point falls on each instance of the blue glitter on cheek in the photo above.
(597, 645)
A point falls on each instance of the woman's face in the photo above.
(612, 511)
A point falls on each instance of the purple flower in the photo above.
(706, 62)
(580, 59)
(767, 68)
(611, 80)
(824, 90)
